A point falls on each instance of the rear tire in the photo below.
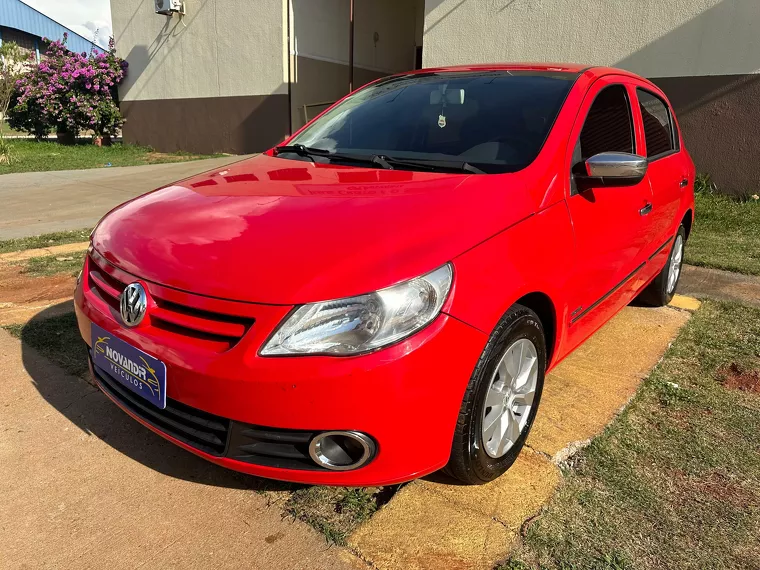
(509, 376)
(660, 291)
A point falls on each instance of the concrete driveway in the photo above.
(84, 487)
(37, 203)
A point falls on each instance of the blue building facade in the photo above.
(27, 27)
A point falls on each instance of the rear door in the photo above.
(611, 224)
(668, 171)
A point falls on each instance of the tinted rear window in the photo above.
(658, 124)
(496, 120)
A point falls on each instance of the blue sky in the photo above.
(85, 17)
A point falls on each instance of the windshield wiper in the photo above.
(467, 167)
(302, 150)
(434, 164)
(382, 160)
(311, 152)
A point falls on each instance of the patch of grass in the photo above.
(726, 234)
(45, 266)
(39, 156)
(57, 339)
(674, 481)
(9, 132)
(45, 240)
(333, 511)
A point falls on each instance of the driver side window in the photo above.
(608, 126)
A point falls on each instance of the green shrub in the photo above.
(7, 155)
(27, 117)
(703, 184)
(69, 92)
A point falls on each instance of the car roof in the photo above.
(575, 68)
(589, 71)
(525, 66)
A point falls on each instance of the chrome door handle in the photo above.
(684, 183)
(646, 209)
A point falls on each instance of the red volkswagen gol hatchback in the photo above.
(382, 295)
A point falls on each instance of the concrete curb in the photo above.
(703, 282)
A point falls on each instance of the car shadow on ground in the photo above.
(51, 340)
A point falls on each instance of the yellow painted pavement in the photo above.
(686, 303)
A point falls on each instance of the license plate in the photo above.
(131, 367)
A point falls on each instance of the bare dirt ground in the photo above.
(19, 288)
(23, 296)
(738, 378)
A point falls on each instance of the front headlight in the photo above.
(367, 322)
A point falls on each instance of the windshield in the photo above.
(496, 121)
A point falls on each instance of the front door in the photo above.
(610, 223)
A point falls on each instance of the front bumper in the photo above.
(406, 397)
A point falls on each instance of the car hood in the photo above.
(272, 230)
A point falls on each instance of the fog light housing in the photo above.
(342, 450)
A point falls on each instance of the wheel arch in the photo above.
(687, 221)
(541, 304)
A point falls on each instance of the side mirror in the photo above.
(612, 169)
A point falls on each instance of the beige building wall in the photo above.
(213, 80)
(655, 38)
(235, 75)
(705, 55)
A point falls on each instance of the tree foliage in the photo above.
(70, 92)
(12, 67)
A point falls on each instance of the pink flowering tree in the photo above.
(70, 92)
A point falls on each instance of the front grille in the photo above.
(194, 427)
(271, 447)
(219, 331)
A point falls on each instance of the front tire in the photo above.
(660, 291)
(501, 400)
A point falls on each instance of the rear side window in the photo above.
(658, 124)
(608, 126)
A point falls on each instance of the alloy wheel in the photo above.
(509, 398)
(674, 271)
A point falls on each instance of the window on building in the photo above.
(658, 124)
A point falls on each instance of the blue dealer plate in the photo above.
(129, 366)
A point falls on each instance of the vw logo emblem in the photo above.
(133, 304)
